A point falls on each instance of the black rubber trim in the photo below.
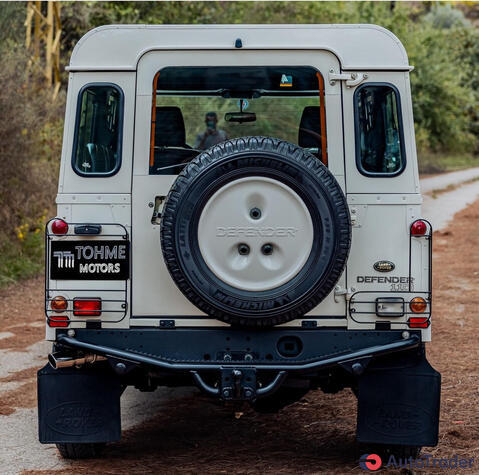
(357, 132)
(120, 130)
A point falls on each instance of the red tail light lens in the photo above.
(59, 226)
(87, 307)
(418, 228)
(60, 321)
(418, 322)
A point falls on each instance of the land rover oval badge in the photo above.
(384, 266)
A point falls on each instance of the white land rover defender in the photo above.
(239, 209)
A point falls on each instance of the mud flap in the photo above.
(400, 405)
(78, 405)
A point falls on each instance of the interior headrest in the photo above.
(309, 134)
(169, 127)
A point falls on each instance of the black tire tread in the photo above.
(208, 159)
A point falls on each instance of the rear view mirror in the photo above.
(240, 117)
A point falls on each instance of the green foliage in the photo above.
(12, 29)
(30, 144)
(442, 45)
(22, 256)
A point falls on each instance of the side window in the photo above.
(379, 135)
(97, 144)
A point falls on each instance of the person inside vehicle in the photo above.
(211, 136)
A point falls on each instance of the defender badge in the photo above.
(384, 266)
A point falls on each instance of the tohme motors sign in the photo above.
(90, 260)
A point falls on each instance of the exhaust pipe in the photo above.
(57, 361)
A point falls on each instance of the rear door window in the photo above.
(195, 108)
(379, 135)
(97, 144)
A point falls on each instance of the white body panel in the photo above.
(383, 207)
(122, 46)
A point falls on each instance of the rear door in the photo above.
(383, 195)
(154, 294)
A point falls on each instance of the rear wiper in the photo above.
(172, 166)
(176, 147)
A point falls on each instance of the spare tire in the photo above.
(255, 231)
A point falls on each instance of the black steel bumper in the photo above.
(239, 355)
(214, 349)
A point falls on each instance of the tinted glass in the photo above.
(98, 134)
(378, 130)
(199, 107)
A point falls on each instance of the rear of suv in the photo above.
(239, 210)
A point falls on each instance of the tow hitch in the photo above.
(239, 384)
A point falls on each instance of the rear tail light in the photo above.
(87, 307)
(418, 228)
(59, 226)
(58, 321)
(418, 305)
(59, 304)
(418, 322)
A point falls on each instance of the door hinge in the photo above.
(352, 79)
(157, 206)
(343, 292)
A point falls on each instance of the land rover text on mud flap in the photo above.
(252, 227)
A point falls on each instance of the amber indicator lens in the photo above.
(418, 305)
(59, 304)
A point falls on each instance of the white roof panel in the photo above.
(119, 47)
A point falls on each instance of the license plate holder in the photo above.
(90, 260)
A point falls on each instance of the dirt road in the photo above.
(444, 195)
(192, 434)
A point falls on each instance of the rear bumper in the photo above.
(216, 349)
(398, 391)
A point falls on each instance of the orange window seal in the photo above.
(322, 113)
(153, 121)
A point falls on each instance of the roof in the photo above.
(119, 47)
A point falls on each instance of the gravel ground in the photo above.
(181, 431)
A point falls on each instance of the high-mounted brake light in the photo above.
(418, 228)
(87, 307)
(58, 321)
(59, 226)
(59, 304)
(418, 322)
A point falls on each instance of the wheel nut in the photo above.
(243, 249)
(255, 213)
(267, 249)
